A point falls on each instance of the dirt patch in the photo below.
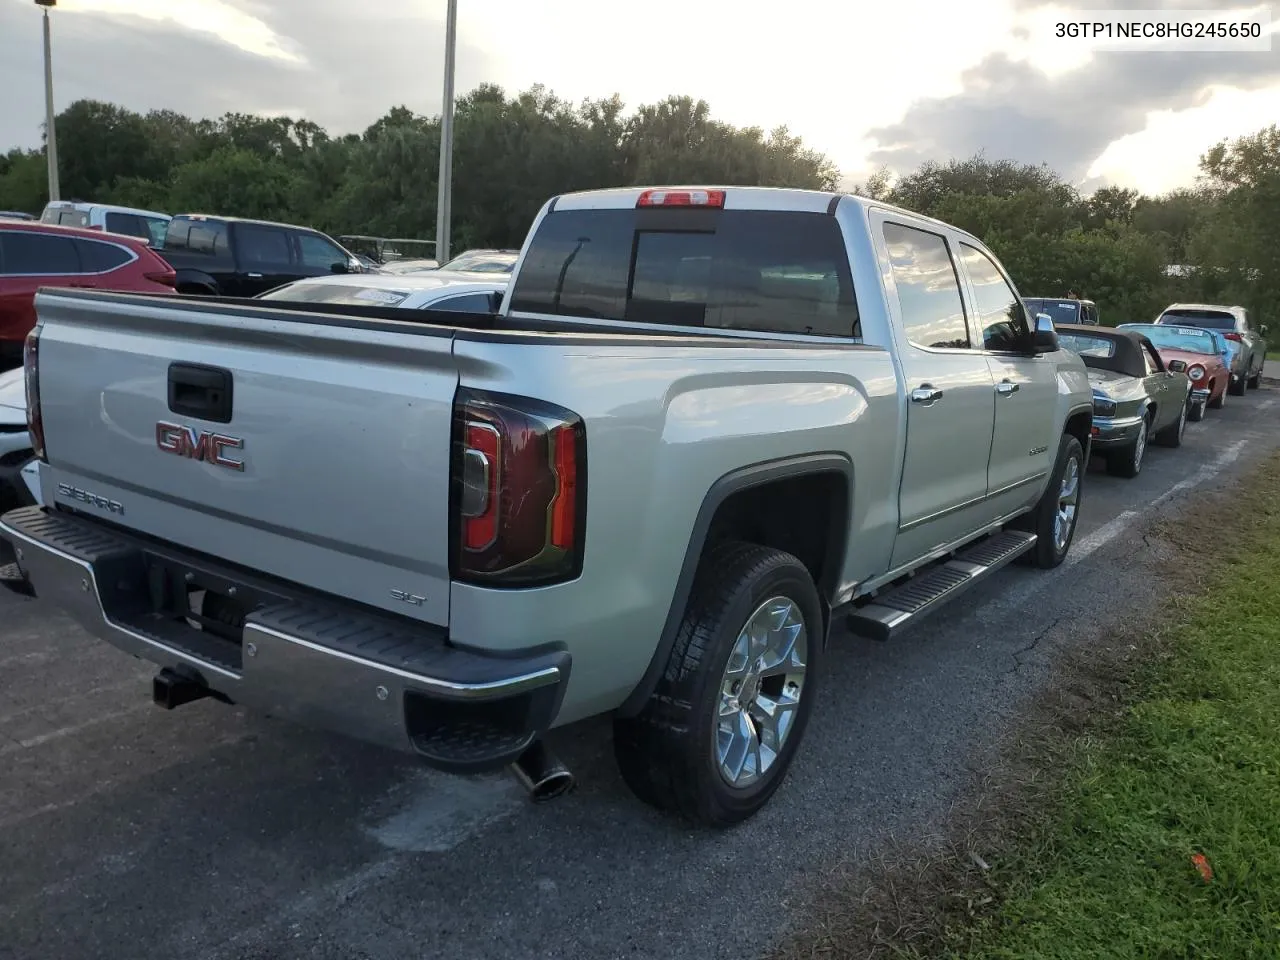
(935, 896)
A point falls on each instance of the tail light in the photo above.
(1234, 336)
(31, 376)
(519, 482)
(167, 277)
(681, 198)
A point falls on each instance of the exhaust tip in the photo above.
(542, 773)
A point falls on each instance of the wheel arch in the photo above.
(837, 467)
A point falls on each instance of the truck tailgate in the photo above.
(332, 470)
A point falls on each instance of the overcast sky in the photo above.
(868, 83)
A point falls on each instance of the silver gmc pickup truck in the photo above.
(704, 424)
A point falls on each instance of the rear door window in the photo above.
(27, 253)
(262, 246)
(760, 270)
(97, 257)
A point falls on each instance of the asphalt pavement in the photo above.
(208, 833)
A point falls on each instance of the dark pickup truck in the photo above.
(228, 256)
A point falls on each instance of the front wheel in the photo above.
(718, 733)
(1127, 463)
(1196, 413)
(1053, 520)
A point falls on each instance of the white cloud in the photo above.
(1165, 153)
(215, 17)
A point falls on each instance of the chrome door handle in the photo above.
(926, 395)
(1006, 388)
(255, 276)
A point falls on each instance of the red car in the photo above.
(1207, 369)
(34, 255)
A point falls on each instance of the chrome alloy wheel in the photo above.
(1068, 500)
(760, 691)
(1140, 446)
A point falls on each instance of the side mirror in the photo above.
(1177, 366)
(339, 266)
(1044, 339)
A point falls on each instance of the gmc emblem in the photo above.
(198, 445)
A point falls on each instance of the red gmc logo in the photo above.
(198, 444)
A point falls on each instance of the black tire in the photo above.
(1041, 521)
(1196, 413)
(666, 754)
(1171, 436)
(1221, 400)
(1240, 387)
(1256, 380)
(1127, 462)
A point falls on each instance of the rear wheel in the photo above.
(717, 735)
(1128, 461)
(1256, 380)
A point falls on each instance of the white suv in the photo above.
(144, 224)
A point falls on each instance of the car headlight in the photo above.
(1196, 372)
(1103, 408)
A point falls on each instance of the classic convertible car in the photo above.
(1137, 397)
(1206, 355)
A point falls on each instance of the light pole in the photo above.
(444, 199)
(51, 135)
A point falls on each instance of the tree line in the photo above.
(513, 152)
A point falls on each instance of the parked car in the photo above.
(231, 257)
(483, 261)
(402, 267)
(15, 441)
(1137, 397)
(1064, 310)
(1235, 324)
(146, 225)
(34, 255)
(15, 215)
(434, 291)
(1203, 351)
(706, 423)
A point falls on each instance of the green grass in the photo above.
(1273, 355)
(1193, 767)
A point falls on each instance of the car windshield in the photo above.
(1087, 346)
(1060, 311)
(1187, 339)
(1208, 319)
(337, 293)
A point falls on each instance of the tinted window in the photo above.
(318, 252)
(127, 223)
(1060, 311)
(1000, 314)
(466, 303)
(98, 257)
(30, 253)
(208, 237)
(262, 245)
(928, 289)
(739, 269)
(1209, 319)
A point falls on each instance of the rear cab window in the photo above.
(1207, 319)
(768, 271)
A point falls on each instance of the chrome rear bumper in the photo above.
(313, 659)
